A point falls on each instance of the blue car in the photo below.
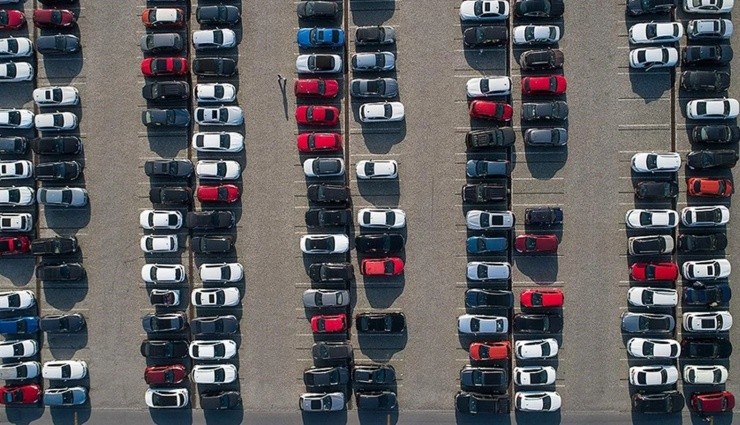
(320, 37)
(707, 295)
(482, 245)
(19, 325)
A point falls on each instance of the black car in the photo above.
(164, 297)
(331, 352)
(474, 403)
(715, 133)
(317, 9)
(214, 325)
(379, 243)
(217, 15)
(539, 8)
(707, 55)
(658, 403)
(13, 145)
(641, 323)
(375, 35)
(488, 298)
(214, 67)
(324, 377)
(59, 145)
(641, 7)
(170, 195)
(487, 35)
(208, 220)
(707, 295)
(543, 216)
(721, 158)
(493, 137)
(57, 2)
(492, 378)
(166, 90)
(212, 244)
(706, 348)
(161, 43)
(168, 322)
(542, 59)
(328, 194)
(373, 374)
(715, 81)
(165, 117)
(220, 400)
(380, 322)
(375, 400)
(63, 170)
(331, 272)
(60, 271)
(168, 168)
(54, 246)
(168, 349)
(702, 243)
(556, 110)
(321, 217)
(62, 323)
(538, 323)
(60, 44)
(385, 88)
(656, 190)
(546, 137)
(484, 193)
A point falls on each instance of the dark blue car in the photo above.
(707, 295)
(482, 245)
(19, 325)
(320, 37)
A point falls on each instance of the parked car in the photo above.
(489, 220)
(707, 6)
(484, 378)
(383, 218)
(55, 121)
(712, 109)
(212, 350)
(715, 81)
(651, 162)
(705, 375)
(373, 374)
(213, 374)
(167, 398)
(541, 59)
(717, 133)
(224, 115)
(534, 243)
(641, 296)
(664, 402)
(705, 159)
(539, 8)
(381, 112)
(220, 400)
(481, 324)
(322, 402)
(218, 169)
(323, 167)
(546, 137)
(536, 34)
(547, 85)
(324, 244)
(231, 142)
(56, 96)
(484, 10)
(713, 215)
(158, 43)
(698, 186)
(641, 7)
(534, 375)
(647, 323)
(482, 168)
(653, 348)
(319, 142)
(214, 67)
(645, 272)
(60, 271)
(20, 370)
(163, 273)
(160, 17)
(64, 369)
(217, 15)
(16, 222)
(215, 92)
(19, 325)
(170, 195)
(54, 246)
(327, 194)
(485, 36)
(706, 348)
(554, 111)
(225, 193)
(493, 137)
(59, 44)
(537, 323)
(474, 403)
(379, 243)
(489, 351)
(211, 244)
(177, 117)
(210, 220)
(11, 19)
(377, 169)
(16, 118)
(331, 272)
(536, 348)
(648, 58)
(155, 244)
(160, 219)
(326, 377)
(317, 115)
(325, 298)
(221, 272)
(488, 86)
(716, 402)
(312, 38)
(329, 323)
(715, 321)
(537, 401)
(318, 63)
(392, 266)
(62, 170)
(317, 9)
(224, 325)
(331, 352)
(165, 67)
(13, 145)
(13, 245)
(386, 323)
(386, 88)
(707, 55)
(165, 374)
(57, 145)
(10, 349)
(486, 270)
(164, 297)
(11, 395)
(488, 298)
(486, 109)
(642, 376)
(651, 219)
(700, 294)
(62, 323)
(649, 189)
(541, 298)
(316, 87)
(655, 32)
(543, 216)
(484, 193)
(219, 38)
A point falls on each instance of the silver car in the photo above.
(70, 396)
(62, 196)
(480, 270)
(483, 220)
(321, 402)
(379, 61)
(323, 298)
(481, 324)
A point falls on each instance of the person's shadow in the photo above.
(282, 82)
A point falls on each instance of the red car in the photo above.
(654, 271)
(392, 266)
(155, 67)
(316, 87)
(552, 84)
(53, 18)
(14, 245)
(319, 142)
(20, 394)
(163, 18)
(491, 110)
(166, 374)
(482, 351)
(527, 244)
(328, 324)
(702, 186)
(222, 193)
(722, 401)
(317, 115)
(11, 19)
(542, 297)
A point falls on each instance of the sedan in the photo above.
(377, 169)
(178, 117)
(554, 111)
(705, 159)
(716, 321)
(62, 323)
(19, 325)
(485, 36)
(225, 193)
(62, 197)
(534, 401)
(55, 121)
(164, 67)
(379, 61)
(166, 374)
(318, 63)
(382, 266)
(161, 43)
(16, 118)
(11, 19)
(210, 220)
(163, 273)
(717, 133)
(10, 349)
(164, 349)
(221, 273)
(56, 96)
(325, 377)
(317, 115)
(536, 34)
(706, 269)
(167, 398)
(158, 17)
(215, 92)
(225, 325)
(652, 297)
(13, 245)
(64, 369)
(484, 378)
(713, 215)
(20, 394)
(652, 32)
(316, 87)
(541, 298)
(331, 272)
(386, 88)
(484, 10)
(60, 271)
(379, 243)
(325, 298)
(479, 270)
(488, 298)
(212, 350)
(698, 186)
(160, 220)
(230, 142)
(541, 59)
(373, 374)
(716, 81)
(168, 168)
(489, 220)
(651, 219)
(714, 348)
(169, 322)
(155, 244)
(705, 375)
(59, 44)
(536, 348)
(537, 323)
(323, 167)
(534, 375)
(474, 403)
(707, 6)
(488, 86)
(653, 57)
(487, 351)
(716, 402)
(485, 109)
(653, 348)
(642, 376)
(320, 217)
(213, 374)
(706, 295)
(546, 137)
(484, 193)
(17, 300)
(212, 244)
(214, 39)
(324, 244)
(480, 324)
(21, 169)
(170, 195)
(225, 115)
(641, 7)
(384, 218)
(375, 35)
(533, 244)
(539, 8)
(214, 67)
(646, 272)
(712, 109)
(329, 323)
(319, 142)
(384, 323)
(482, 168)
(647, 323)
(317, 9)
(166, 90)
(218, 170)
(651, 162)
(665, 402)
(217, 15)
(707, 55)
(322, 402)
(310, 38)
(550, 85)
(164, 297)
(13, 72)
(381, 112)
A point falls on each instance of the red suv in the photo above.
(10, 245)
(654, 271)
(491, 110)
(702, 186)
(329, 324)
(317, 115)
(392, 266)
(166, 374)
(722, 401)
(529, 244)
(319, 142)
(222, 193)
(482, 351)
(316, 87)
(20, 394)
(552, 84)
(542, 297)
(53, 18)
(155, 67)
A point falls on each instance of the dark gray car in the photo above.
(161, 43)
(217, 15)
(546, 137)
(556, 110)
(481, 168)
(13, 145)
(324, 377)
(385, 88)
(165, 117)
(493, 378)
(214, 325)
(60, 44)
(375, 35)
(317, 9)
(63, 170)
(647, 323)
(331, 352)
(169, 322)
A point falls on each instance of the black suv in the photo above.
(331, 352)
(380, 323)
(59, 145)
(702, 243)
(715, 81)
(556, 110)
(62, 323)
(212, 244)
(60, 271)
(214, 67)
(656, 190)
(484, 36)
(327, 193)
(165, 117)
(217, 15)
(170, 195)
(320, 217)
(701, 160)
(168, 168)
(484, 193)
(169, 349)
(13, 145)
(56, 245)
(373, 374)
(66, 170)
(715, 133)
(544, 216)
(706, 348)
(214, 325)
(220, 400)
(539, 8)
(331, 272)
(489, 378)
(473, 403)
(493, 137)
(317, 9)
(538, 323)
(641, 7)
(379, 243)
(166, 90)
(658, 403)
(707, 55)
(211, 219)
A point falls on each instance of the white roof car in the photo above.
(480, 324)
(64, 369)
(714, 321)
(323, 167)
(381, 111)
(159, 243)
(480, 270)
(706, 269)
(488, 86)
(214, 374)
(711, 215)
(221, 273)
(537, 401)
(383, 218)
(62, 196)
(712, 109)
(15, 47)
(164, 15)
(166, 398)
(215, 297)
(16, 300)
(218, 142)
(160, 220)
(17, 196)
(21, 370)
(322, 298)
(56, 96)
(536, 34)
(641, 376)
(653, 57)
(215, 92)
(534, 375)
(707, 6)
(484, 10)
(214, 39)
(15, 118)
(324, 244)
(709, 29)
(12, 222)
(12, 72)
(221, 115)
(652, 162)
(56, 121)
(649, 348)
(212, 350)
(218, 169)
(21, 169)
(163, 273)
(704, 375)
(651, 219)
(655, 32)
(377, 169)
(318, 63)
(18, 348)
(652, 297)
(536, 348)
(321, 402)
(482, 220)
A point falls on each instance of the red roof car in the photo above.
(536, 243)
(542, 297)
(491, 110)
(222, 193)
(319, 142)
(154, 67)
(316, 87)
(20, 394)
(654, 271)
(53, 18)
(552, 84)
(166, 374)
(326, 323)
(317, 115)
(482, 351)
(14, 245)
(722, 401)
(154, 17)
(392, 266)
(11, 19)
(702, 186)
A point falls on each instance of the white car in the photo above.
(641, 376)
(18, 348)
(706, 269)
(705, 375)
(221, 273)
(224, 115)
(56, 121)
(651, 162)
(652, 297)
(16, 118)
(218, 142)
(488, 86)
(325, 298)
(215, 92)
(17, 300)
(214, 39)
(212, 350)
(655, 32)
(707, 6)
(377, 169)
(160, 220)
(318, 64)
(213, 374)
(479, 324)
(482, 220)
(536, 348)
(153, 244)
(65, 369)
(17, 196)
(712, 109)
(714, 321)
(324, 244)
(649, 348)
(20, 370)
(322, 402)
(166, 398)
(15, 47)
(215, 297)
(651, 219)
(534, 375)
(709, 29)
(163, 273)
(56, 96)
(382, 111)
(712, 215)
(13, 72)
(12, 222)
(537, 401)
(484, 10)
(536, 34)
(323, 167)
(218, 169)
(480, 270)
(385, 218)
(653, 57)
(21, 169)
